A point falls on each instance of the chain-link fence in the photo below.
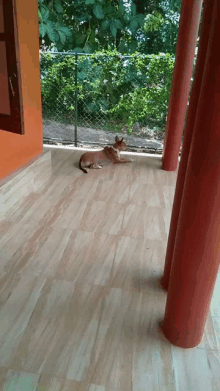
(87, 99)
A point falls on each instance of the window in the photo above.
(10, 97)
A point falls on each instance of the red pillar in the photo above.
(185, 50)
(197, 249)
(194, 98)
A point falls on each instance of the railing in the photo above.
(87, 98)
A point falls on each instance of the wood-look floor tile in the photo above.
(20, 381)
(49, 383)
(123, 173)
(33, 253)
(162, 177)
(72, 216)
(11, 247)
(19, 213)
(59, 331)
(168, 195)
(138, 264)
(86, 188)
(69, 262)
(98, 264)
(148, 194)
(210, 339)
(126, 268)
(134, 221)
(16, 313)
(143, 170)
(80, 301)
(95, 387)
(15, 199)
(46, 332)
(152, 265)
(216, 324)
(152, 360)
(215, 384)
(93, 216)
(194, 369)
(215, 303)
(102, 217)
(112, 191)
(144, 221)
(5, 229)
(53, 242)
(112, 219)
(3, 374)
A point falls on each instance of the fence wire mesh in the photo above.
(88, 99)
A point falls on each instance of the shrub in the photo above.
(110, 87)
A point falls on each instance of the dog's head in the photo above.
(120, 144)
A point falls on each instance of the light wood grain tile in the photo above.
(215, 384)
(210, 338)
(148, 194)
(152, 362)
(112, 191)
(20, 381)
(215, 303)
(16, 313)
(3, 374)
(49, 383)
(200, 365)
(80, 299)
(70, 260)
(216, 333)
(144, 221)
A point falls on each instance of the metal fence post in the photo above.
(76, 61)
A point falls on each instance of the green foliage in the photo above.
(51, 26)
(120, 89)
(147, 26)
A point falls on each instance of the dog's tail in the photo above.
(80, 166)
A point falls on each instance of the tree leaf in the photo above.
(51, 31)
(39, 16)
(133, 9)
(105, 24)
(42, 30)
(78, 50)
(80, 39)
(118, 24)
(87, 49)
(122, 7)
(58, 6)
(113, 29)
(45, 13)
(90, 2)
(134, 25)
(98, 11)
(65, 30)
(62, 36)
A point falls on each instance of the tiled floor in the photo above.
(79, 295)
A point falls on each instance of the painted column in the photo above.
(185, 50)
(197, 249)
(194, 98)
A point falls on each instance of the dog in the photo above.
(95, 159)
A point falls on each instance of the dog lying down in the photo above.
(95, 159)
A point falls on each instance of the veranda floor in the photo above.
(80, 258)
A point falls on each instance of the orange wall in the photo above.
(16, 150)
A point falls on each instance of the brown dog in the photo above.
(108, 154)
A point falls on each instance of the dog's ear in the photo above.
(122, 139)
(116, 139)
